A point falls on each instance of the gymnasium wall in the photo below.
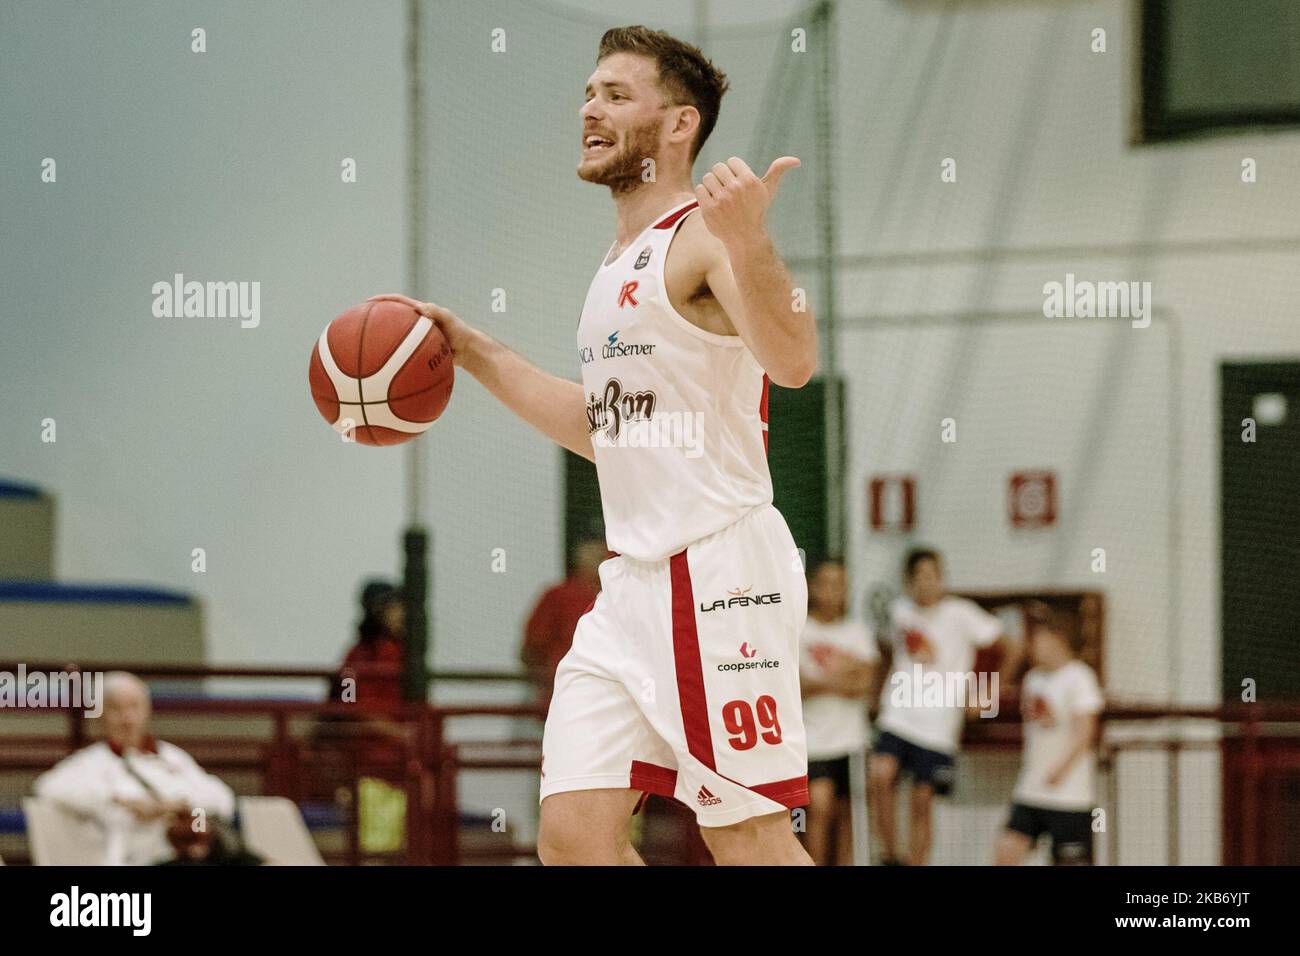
(226, 166)
(944, 312)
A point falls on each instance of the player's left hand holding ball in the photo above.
(734, 201)
(455, 329)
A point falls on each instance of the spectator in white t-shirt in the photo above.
(837, 671)
(131, 787)
(1060, 701)
(933, 638)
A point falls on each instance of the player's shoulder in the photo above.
(956, 604)
(94, 753)
(695, 242)
(1081, 672)
(902, 611)
(169, 751)
(848, 631)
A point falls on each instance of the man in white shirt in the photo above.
(130, 786)
(1060, 701)
(933, 638)
(837, 669)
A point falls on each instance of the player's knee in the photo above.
(559, 844)
(562, 841)
(1009, 849)
(881, 772)
(768, 839)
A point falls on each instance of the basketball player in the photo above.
(1060, 701)
(932, 633)
(683, 678)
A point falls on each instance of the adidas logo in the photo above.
(707, 799)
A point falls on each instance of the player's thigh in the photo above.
(749, 606)
(882, 770)
(596, 732)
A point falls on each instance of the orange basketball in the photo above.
(381, 372)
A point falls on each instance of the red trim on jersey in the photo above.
(690, 671)
(670, 220)
(762, 412)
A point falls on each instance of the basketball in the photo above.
(381, 372)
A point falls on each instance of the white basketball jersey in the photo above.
(677, 415)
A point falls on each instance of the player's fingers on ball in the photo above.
(438, 313)
(724, 173)
(395, 297)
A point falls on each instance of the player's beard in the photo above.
(623, 170)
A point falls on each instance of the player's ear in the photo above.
(687, 123)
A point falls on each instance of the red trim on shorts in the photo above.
(671, 219)
(789, 793)
(652, 778)
(762, 412)
(690, 670)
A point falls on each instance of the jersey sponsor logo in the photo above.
(625, 294)
(613, 348)
(706, 798)
(748, 653)
(616, 407)
(740, 597)
(643, 259)
(765, 664)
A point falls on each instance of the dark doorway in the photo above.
(1261, 530)
(1260, 543)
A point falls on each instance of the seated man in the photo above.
(133, 786)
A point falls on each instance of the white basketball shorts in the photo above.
(683, 678)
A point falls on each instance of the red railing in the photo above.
(1254, 741)
(422, 759)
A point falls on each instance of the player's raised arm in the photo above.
(552, 405)
(747, 276)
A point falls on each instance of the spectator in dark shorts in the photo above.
(837, 672)
(548, 635)
(1059, 703)
(933, 635)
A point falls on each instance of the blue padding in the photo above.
(54, 592)
(322, 816)
(12, 820)
(18, 489)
